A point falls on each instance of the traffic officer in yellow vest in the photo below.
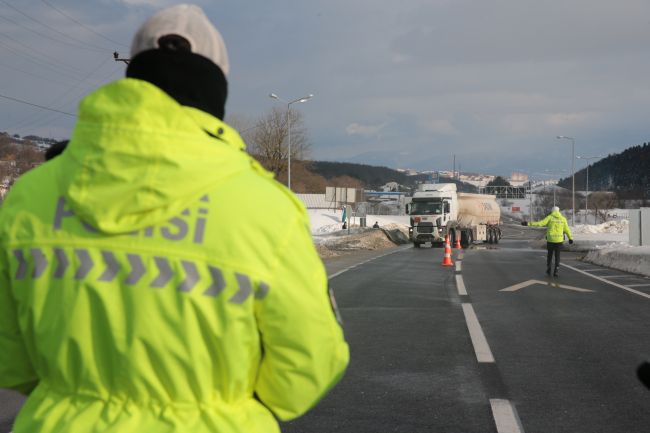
(133, 298)
(556, 227)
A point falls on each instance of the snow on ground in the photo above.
(330, 239)
(325, 221)
(631, 259)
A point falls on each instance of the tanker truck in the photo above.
(437, 210)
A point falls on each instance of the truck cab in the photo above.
(437, 210)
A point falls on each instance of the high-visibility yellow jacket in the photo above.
(154, 278)
(556, 227)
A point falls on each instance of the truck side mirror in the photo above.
(438, 222)
(407, 209)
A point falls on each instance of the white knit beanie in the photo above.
(555, 208)
(188, 21)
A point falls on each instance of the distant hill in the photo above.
(627, 172)
(374, 176)
(42, 142)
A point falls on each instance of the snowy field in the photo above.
(327, 221)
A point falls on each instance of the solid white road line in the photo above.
(461, 285)
(505, 416)
(458, 262)
(481, 347)
(645, 295)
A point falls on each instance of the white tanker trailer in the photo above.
(437, 210)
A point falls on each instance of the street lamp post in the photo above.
(302, 100)
(555, 186)
(587, 187)
(573, 177)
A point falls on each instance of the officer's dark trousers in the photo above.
(553, 247)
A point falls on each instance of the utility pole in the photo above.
(117, 59)
(453, 176)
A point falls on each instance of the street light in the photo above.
(587, 187)
(573, 177)
(302, 100)
(555, 187)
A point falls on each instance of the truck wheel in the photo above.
(452, 238)
(496, 236)
(490, 236)
(416, 244)
(469, 237)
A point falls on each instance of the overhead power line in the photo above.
(56, 40)
(83, 25)
(38, 52)
(37, 76)
(53, 102)
(58, 117)
(46, 26)
(18, 100)
(11, 50)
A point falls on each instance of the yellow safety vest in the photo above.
(154, 278)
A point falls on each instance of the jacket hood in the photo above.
(138, 158)
(557, 214)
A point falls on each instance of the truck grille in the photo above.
(425, 229)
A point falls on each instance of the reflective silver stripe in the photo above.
(86, 264)
(40, 262)
(218, 285)
(62, 258)
(200, 230)
(186, 212)
(165, 274)
(262, 290)
(182, 230)
(245, 289)
(205, 198)
(203, 211)
(137, 269)
(192, 277)
(61, 213)
(112, 267)
(21, 272)
(148, 232)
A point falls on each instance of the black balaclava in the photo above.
(191, 79)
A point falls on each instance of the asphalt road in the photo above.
(427, 357)
(536, 359)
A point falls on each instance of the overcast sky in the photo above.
(425, 79)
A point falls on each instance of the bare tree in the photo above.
(268, 141)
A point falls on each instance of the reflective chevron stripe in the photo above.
(165, 275)
(21, 272)
(218, 283)
(112, 267)
(86, 264)
(245, 289)
(192, 277)
(63, 262)
(40, 262)
(138, 270)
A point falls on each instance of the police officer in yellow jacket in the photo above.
(133, 298)
(556, 228)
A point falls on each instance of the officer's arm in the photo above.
(305, 354)
(567, 230)
(542, 223)
(16, 371)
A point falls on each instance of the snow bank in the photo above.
(621, 226)
(327, 221)
(632, 259)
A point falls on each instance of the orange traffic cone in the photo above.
(447, 260)
(458, 242)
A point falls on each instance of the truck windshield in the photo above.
(426, 208)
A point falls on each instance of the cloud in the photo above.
(440, 126)
(366, 131)
(400, 58)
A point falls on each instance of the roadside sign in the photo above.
(516, 209)
(434, 177)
